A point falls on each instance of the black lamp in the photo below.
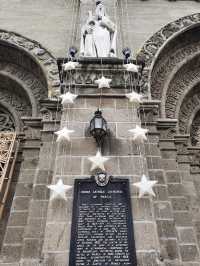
(126, 52)
(72, 51)
(98, 127)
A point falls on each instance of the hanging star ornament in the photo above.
(131, 67)
(134, 97)
(139, 134)
(145, 186)
(98, 161)
(68, 98)
(64, 134)
(103, 82)
(59, 190)
(70, 65)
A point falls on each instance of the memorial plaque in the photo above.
(102, 228)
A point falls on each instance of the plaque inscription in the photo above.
(102, 230)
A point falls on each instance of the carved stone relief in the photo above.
(40, 54)
(6, 121)
(153, 47)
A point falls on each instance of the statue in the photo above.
(98, 35)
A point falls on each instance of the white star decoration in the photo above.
(64, 134)
(70, 65)
(134, 97)
(139, 133)
(132, 67)
(145, 186)
(59, 190)
(98, 161)
(68, 98)
(103, 82)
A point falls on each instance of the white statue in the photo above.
(98, 35)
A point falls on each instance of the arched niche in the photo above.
(28, 74)
(172, 73)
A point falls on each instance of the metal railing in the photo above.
(8, 154)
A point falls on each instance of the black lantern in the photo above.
(98, 127)
(126, 52)
(72, 51)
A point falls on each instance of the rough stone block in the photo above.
(157, 175)
(147, 259)
(34, 228)
(11, 253)
(43, 176)
(173, 177)
(120, 147)
(18, 218)
(169, 164)
(132, 165)
(30, 163)
(189, 252)
(20, 203)
(40, 192)
(82, 147)
(180, 204)
(38, 208)
(161, 192)
(122, 129)
(68, 165)
(141, 209)
(31, 248)
(175, 190)
(154, 162)
(151, 149)
(23, 189)
(60, 211)
(166, 228)
(78, 127)
(56, 259)
(186, 235)
(163, 210)
(14, 235)
(169, 249)
(182, 218)
(57, 237)
(147, 229)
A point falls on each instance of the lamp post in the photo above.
(98, 127)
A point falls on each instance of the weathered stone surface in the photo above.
(189, 252)
(148, 229)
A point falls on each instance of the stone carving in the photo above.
(98, 35)
(152, 47)
(6, 121)
(87, 77)
(41, 54)
(163, 69)
(35, 90)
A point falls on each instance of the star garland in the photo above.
(145, 186)
(59, 190)
(64, 134)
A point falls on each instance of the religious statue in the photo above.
(98, 35)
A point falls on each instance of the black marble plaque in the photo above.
(102, 229)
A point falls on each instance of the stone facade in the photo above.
(36, 231)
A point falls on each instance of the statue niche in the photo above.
(98, 35)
